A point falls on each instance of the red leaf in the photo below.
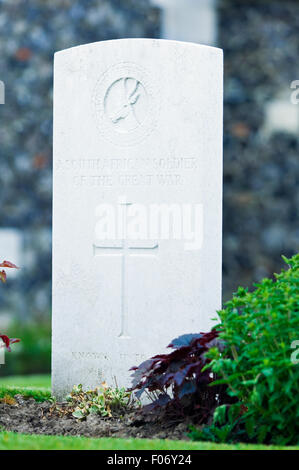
(8, 341)
(5, 340)
(14, 340)
(8, 264)
(3, 276)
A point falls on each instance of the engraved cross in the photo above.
(125, 249)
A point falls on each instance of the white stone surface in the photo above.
(136, 121)
(281, 115)
(189, 20)
(2, 92)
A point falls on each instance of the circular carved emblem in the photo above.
(125, 104)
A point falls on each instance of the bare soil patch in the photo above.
(31, 417)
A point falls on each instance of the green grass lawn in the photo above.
(10, 440)
(39, 387)
(40, 381)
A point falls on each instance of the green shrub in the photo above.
(260, 330)
(33, 354)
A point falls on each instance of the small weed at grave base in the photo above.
(104, 401)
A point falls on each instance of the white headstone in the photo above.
(137, 133)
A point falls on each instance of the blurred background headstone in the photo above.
(2, 92)
(281, 115)
(189, 20)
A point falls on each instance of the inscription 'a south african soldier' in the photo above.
(115, 163)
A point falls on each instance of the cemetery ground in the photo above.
(263, 375)
(230, 388)
(38, 386)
